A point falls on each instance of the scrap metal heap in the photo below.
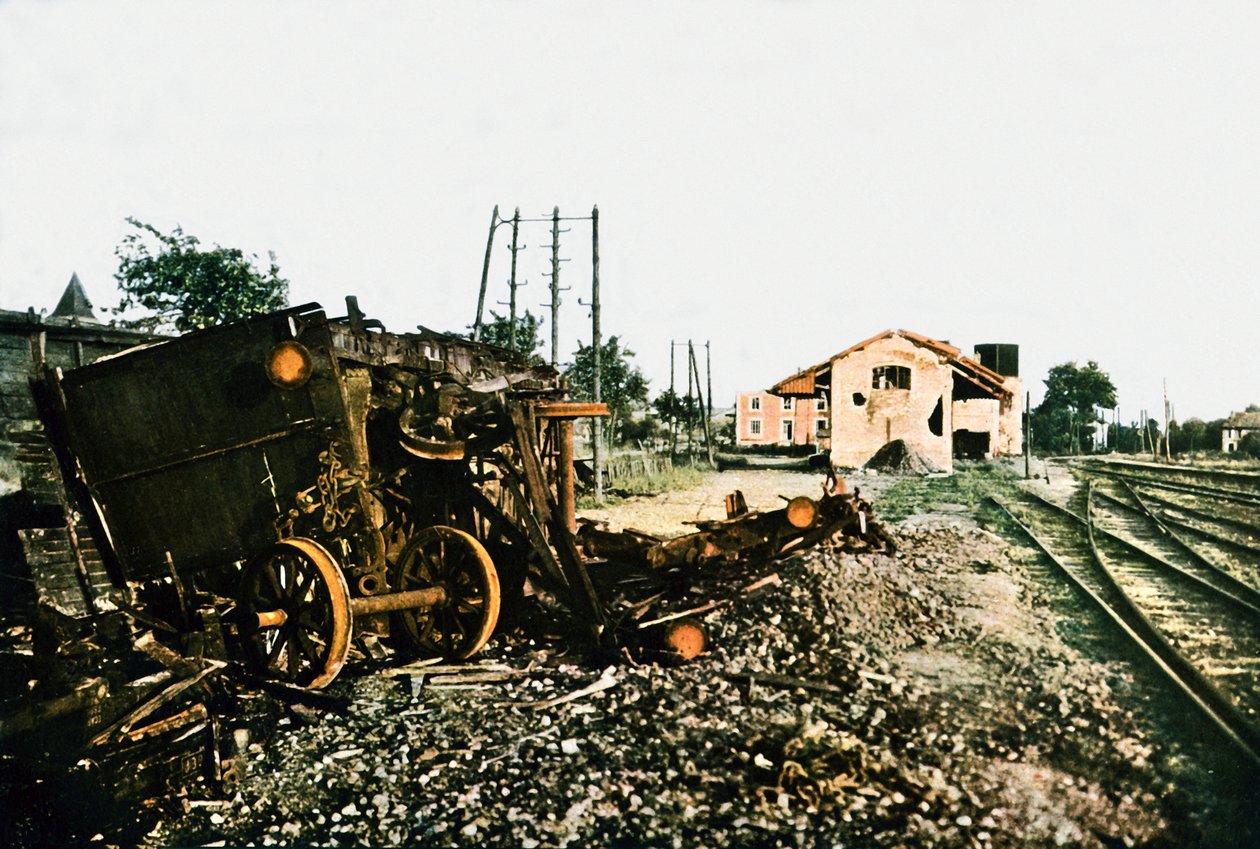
(255, 505)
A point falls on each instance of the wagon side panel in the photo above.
(188, 448)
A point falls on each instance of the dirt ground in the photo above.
(941, 696)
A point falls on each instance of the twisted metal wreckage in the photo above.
(269, 497)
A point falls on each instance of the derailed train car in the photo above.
(294, 485)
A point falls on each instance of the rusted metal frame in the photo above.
(496, 519)
(297, 427)
(568, 410)
(565, 493)
(421, 599)
(534, 532)
(580, 587)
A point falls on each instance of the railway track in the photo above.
(1197, 623)
(1231, 483)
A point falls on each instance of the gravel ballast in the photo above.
(920, 699)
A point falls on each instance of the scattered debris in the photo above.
(901, 458)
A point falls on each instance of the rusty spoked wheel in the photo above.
(448, 558)
(296, 612)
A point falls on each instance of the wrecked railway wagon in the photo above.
(282, 488)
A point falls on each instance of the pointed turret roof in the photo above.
(74, 303)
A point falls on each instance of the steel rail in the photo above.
(1204, 515)
(1164, 470)
(1249, 499)
(1234, 589)
(1197, 580)
(1152, 645)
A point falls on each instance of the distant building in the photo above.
(765, 419)
(70, 336)
(903, 385)
(1236, 427)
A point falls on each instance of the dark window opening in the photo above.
(971, 444)
(858, 399)
(890, 377)
(936, 421)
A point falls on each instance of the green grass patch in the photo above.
(969, 485)
(669, 480)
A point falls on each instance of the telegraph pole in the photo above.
(1167, 432)
(673, 405)
(708, 443)
(1027, 435)
(708, 377)
(485, 273)
(555, 287)
(516, 229)
(595, 343)
(690, 413)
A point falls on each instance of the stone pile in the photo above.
(863, 700)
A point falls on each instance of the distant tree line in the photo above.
(1072, 419)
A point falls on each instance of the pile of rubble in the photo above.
(855, 699)
(901, 458)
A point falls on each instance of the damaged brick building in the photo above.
(71, 335)
(902, 385)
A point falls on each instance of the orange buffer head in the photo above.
(289, 364)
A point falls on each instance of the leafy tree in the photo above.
(622, 386)
(683, 409)
(1065, 418)
(186, 287)
(1213, 431)
(521, 336)
(1189, 435)
(1249, 445)
(670, 404)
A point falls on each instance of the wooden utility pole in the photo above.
(485, 274)
(708, 442)
(598, 422)
(673, 406)
(516, 229)
(690, 411)
(1027, 435)
(555, 287)
(1167, 431)
(708, 380)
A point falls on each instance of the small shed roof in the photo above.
(1244, 421)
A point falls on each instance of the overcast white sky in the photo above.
(784, 179)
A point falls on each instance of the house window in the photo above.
(787, 430)
(820, 404)
(890, 377)
(820, 425)
(755, 404)
(754, 426)
(787, 403)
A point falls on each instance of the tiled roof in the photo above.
(803, 383)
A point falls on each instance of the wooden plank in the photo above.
(580, 586)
